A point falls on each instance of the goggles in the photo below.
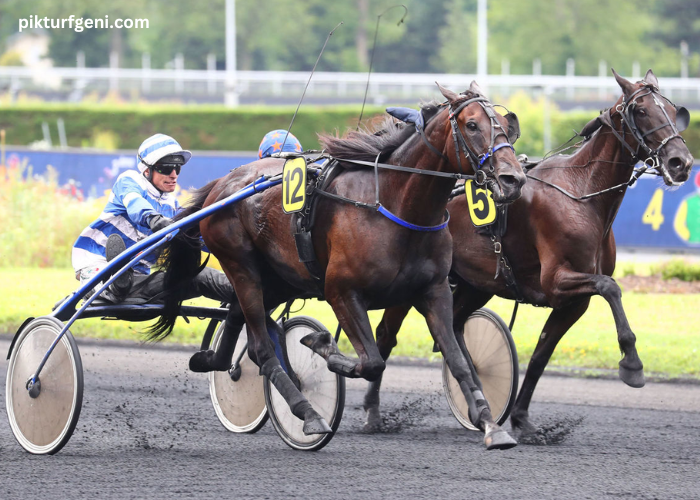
(167, 168)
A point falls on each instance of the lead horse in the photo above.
(559, 242)
(397, 252)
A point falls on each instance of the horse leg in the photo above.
(436, 307)
(352, 316)
(559, 322)
(220, 360)
(247, 283)
(570, 286)
(387, 330)
(467, 299)
(631, 369)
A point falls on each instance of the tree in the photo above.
(586, 30)
(679, 21)
(457, 52)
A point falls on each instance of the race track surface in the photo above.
(148, 430)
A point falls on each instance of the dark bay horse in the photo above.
(562, 249)
(368, 260)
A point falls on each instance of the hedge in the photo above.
(216, 128)
(196, 128)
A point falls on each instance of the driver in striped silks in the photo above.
(141, 203)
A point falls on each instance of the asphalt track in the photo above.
(148, 430)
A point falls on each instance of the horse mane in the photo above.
(379, 136)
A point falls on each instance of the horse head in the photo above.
(655, 124)
(486, 138)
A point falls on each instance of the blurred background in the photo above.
(218, 74)
(76, 101)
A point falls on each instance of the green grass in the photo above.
(666, 325)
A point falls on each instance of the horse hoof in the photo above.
(321, 343)
(316, 425)
(374, 421)
(633, 378)
(498, 439)
(203, 362)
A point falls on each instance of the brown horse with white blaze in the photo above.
(369, 261)
(559, 240)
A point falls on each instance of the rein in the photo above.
(460, 142)
(635, 176)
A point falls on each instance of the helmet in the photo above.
(272, 143)
(697, 180)
(156, 147)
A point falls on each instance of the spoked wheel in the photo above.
(238, 395)
(492, 350)
(324, 389)
(44, 421)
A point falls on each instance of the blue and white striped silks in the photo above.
(133, 201)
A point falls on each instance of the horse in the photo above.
(369, 258)
(560, 246)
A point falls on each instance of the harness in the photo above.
(626, 111)
(302, 222)
(495, 231)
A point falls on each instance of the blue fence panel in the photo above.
(651, 215)
(93, 174)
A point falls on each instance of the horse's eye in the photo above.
(641, 112)
(472, 126)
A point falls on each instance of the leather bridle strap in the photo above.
(461, 142)
(624, 109)
(409, 170)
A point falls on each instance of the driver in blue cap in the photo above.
(140, 204)
(277, 141)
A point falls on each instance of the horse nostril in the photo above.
(510, 182)
(676, 163)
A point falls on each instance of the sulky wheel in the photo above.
(324, 389)
(237, 394)
(44, 421)
(492, 350)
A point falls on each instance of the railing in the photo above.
(73, 84)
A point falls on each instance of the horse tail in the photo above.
(181, 262)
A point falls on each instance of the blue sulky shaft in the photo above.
(133, 256)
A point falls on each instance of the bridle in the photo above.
(626, 110)
(460, 142)
(477, 161)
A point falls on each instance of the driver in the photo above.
(274, 142)
(140, 204)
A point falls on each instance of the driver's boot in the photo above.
(120, 288)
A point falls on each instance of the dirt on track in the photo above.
(656, 284)
(148, 430)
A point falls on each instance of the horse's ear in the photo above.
(650, 77)
(449, 95)
(682, 118)
(475, 89)
(591, 127)
(513, 127)
(626, 86)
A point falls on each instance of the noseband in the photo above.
(477, 161)
(626, 110)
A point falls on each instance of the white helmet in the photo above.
(156, 147)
